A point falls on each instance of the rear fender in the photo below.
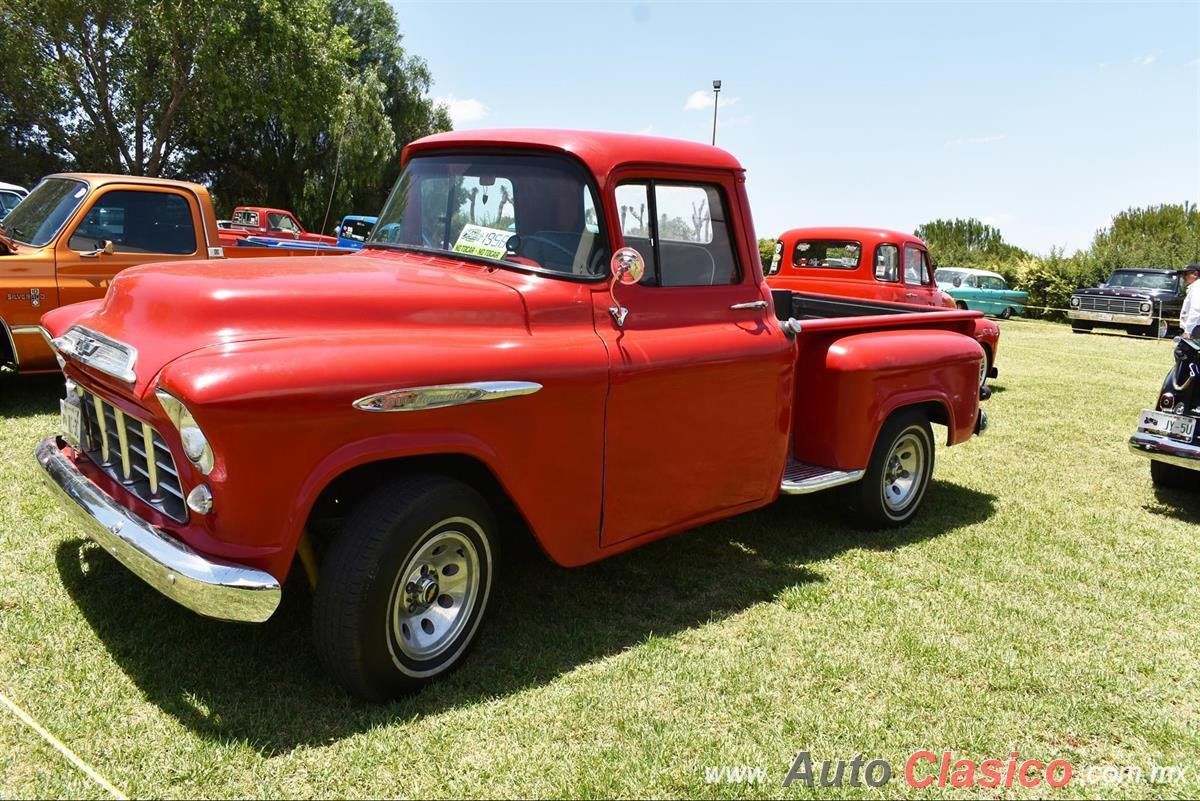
(849, 385)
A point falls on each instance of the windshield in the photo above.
(37, 219)
(1139, 280)
(947, 276)
(357, 229)
(522, 210)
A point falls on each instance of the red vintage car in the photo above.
(265, 222)
(872, 263)
(565, 330)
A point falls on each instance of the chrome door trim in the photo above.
(439, 396)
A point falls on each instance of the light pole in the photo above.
(716, 97)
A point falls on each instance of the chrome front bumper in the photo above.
(1112, 318)
(1165, 449)
(208, 586)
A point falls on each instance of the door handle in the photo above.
(910, 294)
(754, 304)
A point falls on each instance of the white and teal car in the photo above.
(981, 290)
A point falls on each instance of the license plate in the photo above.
(72, 422)
(1169, 425)
(1105, 317)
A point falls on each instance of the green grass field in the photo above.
(1044, 601)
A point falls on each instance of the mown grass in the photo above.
(1044, 602)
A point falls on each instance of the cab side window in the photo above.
(682, 231)
(137, 222)
(887, 263)
(282, 222)
(916, 266)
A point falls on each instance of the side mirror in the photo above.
(104, 246)
(627, 268)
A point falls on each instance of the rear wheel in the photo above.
(1172, 477)
(405, 587)
(901, 464)
(1007, 313)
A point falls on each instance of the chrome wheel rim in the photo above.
(903, 471)
(1162, 328)
(435, 593)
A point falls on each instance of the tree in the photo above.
(1167, 235)
(272, 102)
(966, 243)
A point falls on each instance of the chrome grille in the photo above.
(1114, 305)
(119, 444)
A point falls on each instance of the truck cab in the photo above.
(563, 333)
(260, 221)
(869, 263)
(74, 233)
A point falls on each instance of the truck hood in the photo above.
(168, 310)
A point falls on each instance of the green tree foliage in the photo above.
(1167, 235)
(265, 101)
(1156, 236)
(966, 243)
(766, 252)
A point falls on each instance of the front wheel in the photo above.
(962, 306)
(405, 586)
(1173, 477)
(1006, 314)
(1158, 329)
(890, 492)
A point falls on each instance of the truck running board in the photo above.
(800, 478)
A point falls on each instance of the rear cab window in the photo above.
(837, 254)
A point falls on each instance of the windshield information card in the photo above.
(475, 240)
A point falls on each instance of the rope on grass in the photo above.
(57, 744)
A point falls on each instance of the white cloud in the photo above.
(701, 100)
(976, 140)
(1147, 60)
(462, 111)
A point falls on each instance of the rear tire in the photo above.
(1006, 314)
(1172, 477)
(1081, 328)
(897, 476)
(404, 588)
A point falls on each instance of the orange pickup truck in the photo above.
(75, 231)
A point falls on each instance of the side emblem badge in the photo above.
(35, 297)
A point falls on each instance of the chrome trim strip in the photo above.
(1165, 449)
(210, 587)
(66, 345)
(151, 461)
(103, 423)
(439, 396)
(1113, 317)
(21, 330)
(122, 441)
(801, 479)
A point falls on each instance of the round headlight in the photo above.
(1146, 307)
(1074, 301)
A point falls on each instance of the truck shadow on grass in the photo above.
(1179, 504)
(261, 684)
(25, 396)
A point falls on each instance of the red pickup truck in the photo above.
(567, 330)
(275, 223)
(871, 263)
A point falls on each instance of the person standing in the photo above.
(1189, 315)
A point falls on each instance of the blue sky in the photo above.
(1041, 119)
